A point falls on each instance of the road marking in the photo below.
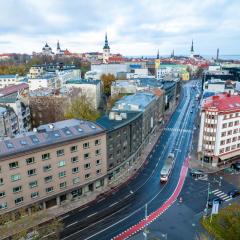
(82, 209)
(220, 194)
(113, 204)
(64, 217)
(227, 197)
(92, 214)
(71, 224)
(101, 200)
(215, 190)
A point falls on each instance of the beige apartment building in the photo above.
(53, 164)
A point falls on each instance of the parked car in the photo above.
(196, 173)
(234, 193)
(236, 166)
(216, 199)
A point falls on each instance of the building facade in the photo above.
(55, 164)
(17, 97)
(124, 138)
(7, 80)
(8, 122)
(219, 136)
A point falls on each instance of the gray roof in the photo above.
(111, 124)
(47, 135)
(83, 81)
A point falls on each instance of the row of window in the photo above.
(230, 124)
(231, 115)
(229, 140)
(230, 132)
(32, 172)
(229, 148)
(46, 156)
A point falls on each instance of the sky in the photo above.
(134, 27)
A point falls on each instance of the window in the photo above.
(1, 181)
(221, 150)
(86, 155)
(30, 160)
(222, 142)
(227, 149)
(98, 162)
(47, 168)
(60, 152)
(235, 130)
(87, 165)
(49, 189)
(18, 200)
(230, 132)
(74, 159)
(223, 134)
(62, 174)
(73, 148)
(33, 184)
(76, 180)
(32, 172)
(98, 171)
(48, 179)
(63, 185)
(230, 124)
(3, 206)
(97, 152)
(17, 189)
(233, 147)
(15, 177)
(87, 175)
(2, 194)
(224, 125)
(236, 123)
(86, 145)
(34, 194)
(75, 170)
(61, 163)
(228, 140)
(234, 139)
(46, 156)
(97, 142)
(13, 165)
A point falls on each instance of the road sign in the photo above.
(215, 207)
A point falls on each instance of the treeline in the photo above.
(19, 69)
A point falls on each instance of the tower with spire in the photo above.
(192, 51)
(106, 50)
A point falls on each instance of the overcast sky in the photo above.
(134, 27)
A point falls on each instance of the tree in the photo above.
(107, 81)
(226, 224)
(81, 108)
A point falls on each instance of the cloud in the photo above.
(134, 27)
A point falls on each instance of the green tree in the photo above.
(107, 80)
(81, 108)
(226, 224)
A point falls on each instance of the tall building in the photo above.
(219, 135)
(192, 51)
(106, 50)
(54, 164)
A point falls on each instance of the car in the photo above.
(216, 199)
(197, 173)
(236, 166)
(234, 193)
(191, 111)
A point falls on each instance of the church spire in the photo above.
(106, 46)
(192, 50)
(58, 45)
(158, 54)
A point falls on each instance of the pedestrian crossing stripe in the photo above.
(227, 197)
(216, 190)
(222, 195)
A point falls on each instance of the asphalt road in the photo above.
(112, 214)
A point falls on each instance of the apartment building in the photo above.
(124, 138)
(51, 165)
(219, 136)
(17, 97)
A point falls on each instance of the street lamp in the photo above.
(206, 208)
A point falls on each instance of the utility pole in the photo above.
(206, 209)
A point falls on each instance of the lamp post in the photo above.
(206, 208)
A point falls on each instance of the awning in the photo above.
(230, 155)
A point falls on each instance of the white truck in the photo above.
(167, 168)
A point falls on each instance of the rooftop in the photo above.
(47, 135)
(111, 124)
(13, 89)
(136, 102)
(223, 102)
(8, 76)
(83, 81)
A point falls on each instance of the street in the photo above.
(113, 214)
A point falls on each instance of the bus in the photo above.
(167, 168)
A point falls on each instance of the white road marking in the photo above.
(71, 224)
(215, 190)
(64, 217)
(92, 214)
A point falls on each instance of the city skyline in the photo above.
(136, 28)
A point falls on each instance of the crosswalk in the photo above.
(222, 195)
(178, 130)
